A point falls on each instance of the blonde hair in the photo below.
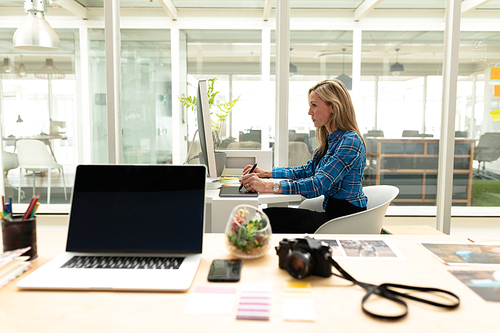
(334, 93)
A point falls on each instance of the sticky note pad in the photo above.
(497, 91)
(495, 115)
(211, 300)
(255, 302)
(297, 287)
(298, 309)
(495, 73)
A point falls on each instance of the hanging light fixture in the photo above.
(21, 70)
(292, 69)
(346, 79)
(397, 68)
(35, 33)
(7, 70)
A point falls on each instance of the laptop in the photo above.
(131, 227)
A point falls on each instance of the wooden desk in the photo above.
(337, 304)
(410, 230)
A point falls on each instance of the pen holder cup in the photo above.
(20, 234)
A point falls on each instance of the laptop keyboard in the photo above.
(118, 262)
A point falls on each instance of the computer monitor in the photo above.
(205, 130)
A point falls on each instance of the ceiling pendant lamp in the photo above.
(397, 68)
(7, 70)
(35, 34)
(21, 70)
(346, 79)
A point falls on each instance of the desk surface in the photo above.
(37, 137)
(337, 304)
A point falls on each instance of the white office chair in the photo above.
(34, 156)
(298, 153)
(366, 222)
(9, 162)
(243, 145)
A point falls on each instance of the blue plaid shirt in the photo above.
(338, 174)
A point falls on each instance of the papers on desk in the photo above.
(474, 254)
(484, 283)
(12, 265)
(364, 249)
(211, 300)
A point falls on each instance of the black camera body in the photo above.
(304, 256)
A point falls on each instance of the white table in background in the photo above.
(218, 208)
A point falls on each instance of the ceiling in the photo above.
(261, 4)
(309, 49)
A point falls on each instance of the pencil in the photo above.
(33, 201)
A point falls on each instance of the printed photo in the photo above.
(466, 253)
(484, 283)
(363, 249)
(367, 248)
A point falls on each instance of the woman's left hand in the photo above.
(253, 183)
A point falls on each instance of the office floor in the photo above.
(41, 181)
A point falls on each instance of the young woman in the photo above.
(335, 170)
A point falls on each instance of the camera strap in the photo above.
(388, 291)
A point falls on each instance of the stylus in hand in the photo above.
(253, 168)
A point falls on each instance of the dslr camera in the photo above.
(304, 256)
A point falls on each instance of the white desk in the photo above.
(218, 209)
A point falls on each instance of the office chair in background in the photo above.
(9, 162)
(487, 150)
(244, 145)
(366, 222)
(34, 156)
(298, 153)
(374, 134)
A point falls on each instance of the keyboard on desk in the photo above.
(119, 262)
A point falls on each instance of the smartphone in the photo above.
(225, 270)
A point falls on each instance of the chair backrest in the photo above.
(34, 153)
(366, 222)
(489, 140)
(374, 134)
(298, 153)
(244, 145)
(410, 133)
(9, 161)
(488, 148)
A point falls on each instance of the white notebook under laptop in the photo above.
(131, 227)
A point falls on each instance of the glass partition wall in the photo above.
(395, 75)
(146, 93)
(38, 101)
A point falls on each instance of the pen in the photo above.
(253, 168)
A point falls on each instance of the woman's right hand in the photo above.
(261, 173)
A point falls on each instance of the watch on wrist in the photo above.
(276, 187)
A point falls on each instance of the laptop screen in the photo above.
(137, 208)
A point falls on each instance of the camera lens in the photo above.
(299, 264)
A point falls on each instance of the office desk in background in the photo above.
(337, 304)
(218, 209)
(44, 138)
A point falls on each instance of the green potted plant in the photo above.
(218, 114)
